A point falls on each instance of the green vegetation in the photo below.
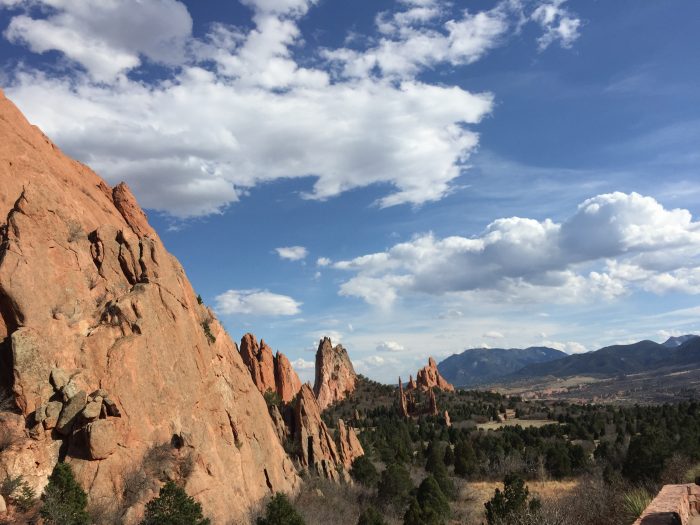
(395, 485)
(272, 398)
(64, 500)
(280, 511)
(364, 472)
(510, 504)
(173, 506)
(207, 331)
(611, 450)
(634, 502)
(371, 516)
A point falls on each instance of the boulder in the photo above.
(53, 411)
(59, 378)
(100, 437)
(70, 412)
(335, 375)
(3, 506)
(92, 410)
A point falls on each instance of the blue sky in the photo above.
(412, 177)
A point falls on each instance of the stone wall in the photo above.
(673, 505)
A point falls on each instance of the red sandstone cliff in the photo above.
(104, 346)
(335, 375)
(267, 371)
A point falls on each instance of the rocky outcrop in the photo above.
(335, 375)
(349, 446)
(287, 380)
(414, 403)
(268, 372)
(87, 287)
(317, 449)
(428, 377)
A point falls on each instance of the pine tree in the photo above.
(371, 516)
(64, 499)
(173, 507)
(280, 511)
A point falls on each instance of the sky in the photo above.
(409, 177)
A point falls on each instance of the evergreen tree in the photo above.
(395, 484)
(280, 511)
(64, 499)
(364, 472)
(512, 502)
(371, 516)
(173, 506)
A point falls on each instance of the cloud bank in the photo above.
(237, 107)
(609, 245)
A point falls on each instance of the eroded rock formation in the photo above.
(335, 375)
(428, 377)
(87, 287)
(317, 449)
(269, 372)
(349, 445)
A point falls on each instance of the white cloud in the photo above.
(256, 302)
(323, 261)
(390, 346)
(612, 241)
(570, 347)
(106, 37)
(292, 253)
(558, 23)
(302, 364)
(239, 109)
(493, 335)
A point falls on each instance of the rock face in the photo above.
(87, 287)
(429, 377)
(317, 449)
(335, 376)
(349, 445)
(268, 372)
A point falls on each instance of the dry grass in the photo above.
(469, 507)
(525, 423)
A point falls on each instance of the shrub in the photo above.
(280, 511)
(199, 299)
(395, 484)
(371, 516)
(272, 398)
(364, 472)
(509, 505)
(173, 507)
(207, 331)
(634, 502)
(64, 499)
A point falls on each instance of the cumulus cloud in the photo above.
(323, 261)
(106, 38)
(390, 346)
(238, 107)
(570, 347)
(256, 302)
(558, 24)
(292, 253)
(612, 241)
(302, 364)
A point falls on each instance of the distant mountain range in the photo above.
(496, 365)
(486, 365)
